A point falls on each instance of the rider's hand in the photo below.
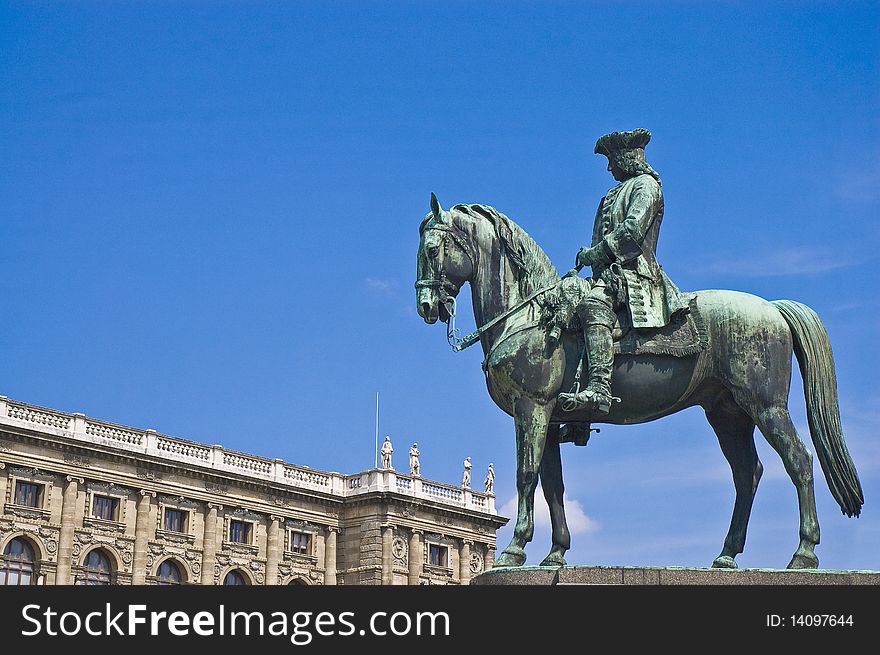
(585, 256)
(592, 256)
(573, 272)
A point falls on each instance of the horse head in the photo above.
(444, 264)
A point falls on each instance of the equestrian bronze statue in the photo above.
(726, 351)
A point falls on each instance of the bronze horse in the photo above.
(741, 380)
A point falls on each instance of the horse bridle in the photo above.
(446, 290)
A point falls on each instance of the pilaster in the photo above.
(68, 524)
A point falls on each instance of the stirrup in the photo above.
(586, 399)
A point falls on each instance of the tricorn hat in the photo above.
(609, 143)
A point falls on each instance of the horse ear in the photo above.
(436, 209)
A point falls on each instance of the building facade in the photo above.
(91, 502)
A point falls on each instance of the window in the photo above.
(438, 555)
(175, 520)
(105, 507)
(96, 569)
(28, 494)
(235, 578)
(300, 542)
(17, 565)
(240, 532)
(169, 573)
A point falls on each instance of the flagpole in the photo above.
(376, 463)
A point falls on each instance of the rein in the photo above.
(447, 292)
(459, 344)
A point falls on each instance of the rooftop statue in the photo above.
(649, 350)
(385, 452)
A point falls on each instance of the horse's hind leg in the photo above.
(735, 430)
(551, 483)
(531, 420)
(775, 424)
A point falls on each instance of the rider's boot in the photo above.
(596, 397)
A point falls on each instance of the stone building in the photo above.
(91, 502)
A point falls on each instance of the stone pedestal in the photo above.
(669, 575)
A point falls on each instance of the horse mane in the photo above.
(536, 269)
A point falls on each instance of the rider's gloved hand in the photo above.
(592, 256)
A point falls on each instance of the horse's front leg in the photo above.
(531, 418)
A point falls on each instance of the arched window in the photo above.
(297, 582)
(17, 565)
(235, 578)
(168, 573)
(97, 569)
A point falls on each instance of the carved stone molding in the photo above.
(301, 526)
(110, 488)
(227, 561)
(181, 502)
(77, 460)
(46, 536)
(31, 513)
(214, 488)
(399, 551)
(147, 474)
(123, 548)
(31, 473)
(240, 549)
(175, 537)
(476, 563)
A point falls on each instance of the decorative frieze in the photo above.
(77, 460)
(147, 474)
(215, 488)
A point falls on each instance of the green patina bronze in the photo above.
(656, 350)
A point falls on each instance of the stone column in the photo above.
(489, 558)
(3, 483)
(68, 523)
(141, 536)
(416, 556)
(464, 561)
(387, 557)
(330, 556)
(209, 544)
(274, 547)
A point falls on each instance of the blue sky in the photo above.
(209, 224)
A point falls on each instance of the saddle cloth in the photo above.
(686, 335)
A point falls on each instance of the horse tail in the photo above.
(813, 351)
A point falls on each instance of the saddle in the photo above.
(684, 336)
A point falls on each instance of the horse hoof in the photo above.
(804, 562)
(724, 562)
(554, 559)
(511, 558)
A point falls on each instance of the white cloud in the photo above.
(575, 516)
(381, 285)
(781, 262)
